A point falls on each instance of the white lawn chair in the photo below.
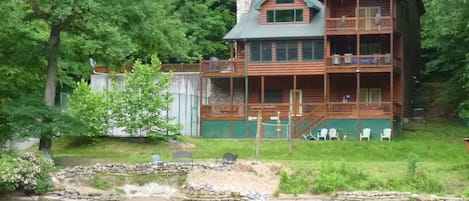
(322, 134)
(366, 134)
(386, 134)
(333, 134)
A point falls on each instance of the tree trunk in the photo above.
(45, 142)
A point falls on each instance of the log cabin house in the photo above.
(344, 64)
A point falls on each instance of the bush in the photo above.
(420, 180)
(28, 173)
(333, 177)
(294, 184)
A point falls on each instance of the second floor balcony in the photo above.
(371, 63)
(352, 25)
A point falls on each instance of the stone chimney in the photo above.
(242, 7)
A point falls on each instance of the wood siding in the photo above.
(286, 68)
(270, 5)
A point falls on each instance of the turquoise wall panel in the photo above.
(344, 126)
(376, 125)
(270, 130)
(239, 129)
(216, 129)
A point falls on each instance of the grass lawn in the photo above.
(436, 147)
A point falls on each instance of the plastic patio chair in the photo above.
(365, 134)
(386, 134)
(333, 134)
(322, 134)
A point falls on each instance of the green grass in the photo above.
(438, 145)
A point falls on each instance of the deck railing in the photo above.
(375, 60)
(223, 110)
(305, 110)
(341, 108)
(363, 24)
(221, 66)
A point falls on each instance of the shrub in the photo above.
(296, 183)
(420, 180)
(29, 173)
(334, 177)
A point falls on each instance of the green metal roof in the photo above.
(248, 27)
(309, 3)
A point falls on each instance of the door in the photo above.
(370, 96)
(367, 17)
(296, 107)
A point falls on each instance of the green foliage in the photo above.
(463, 109)
(412, 160)
(29, 117)
(419, 180)
(337, 177)
(100, 182)
(206, 22)
(90, 107)
(296, 183)
(140, 106)
(28, 172)
(446, 41)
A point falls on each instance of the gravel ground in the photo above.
(245, 178)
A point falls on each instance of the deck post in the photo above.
(262, 94)
(200, 102)
(231, 106)
(358, 103)
(246, 82)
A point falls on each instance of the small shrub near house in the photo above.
(28, 172)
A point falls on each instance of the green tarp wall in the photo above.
(221, 128)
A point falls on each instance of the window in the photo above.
(261, 51)
(284, 1)
(295, 15)
(273, 96)
(287, 51)
(370, 48)
(313, 50)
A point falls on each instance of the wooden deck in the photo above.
(362, 25)
(332, 110)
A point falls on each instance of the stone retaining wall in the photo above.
(206, 192)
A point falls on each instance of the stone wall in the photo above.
(242, 7)
(220, 91)
(201, 192)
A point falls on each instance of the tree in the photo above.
(29, 117)
(140, 107)
(110, 31)
(92, 108)
(446, 41)
(206, 22)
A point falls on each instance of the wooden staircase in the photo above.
(304, 124)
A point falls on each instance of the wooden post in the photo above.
(279, 129)
(262, 94)
(295, 106)
(289, 132)
(358, 103)
(200, 102)
(231, 106)
(258, 134)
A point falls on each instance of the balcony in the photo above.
(222, 68)
(269, 110)
(369, 63)
(364, 25)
